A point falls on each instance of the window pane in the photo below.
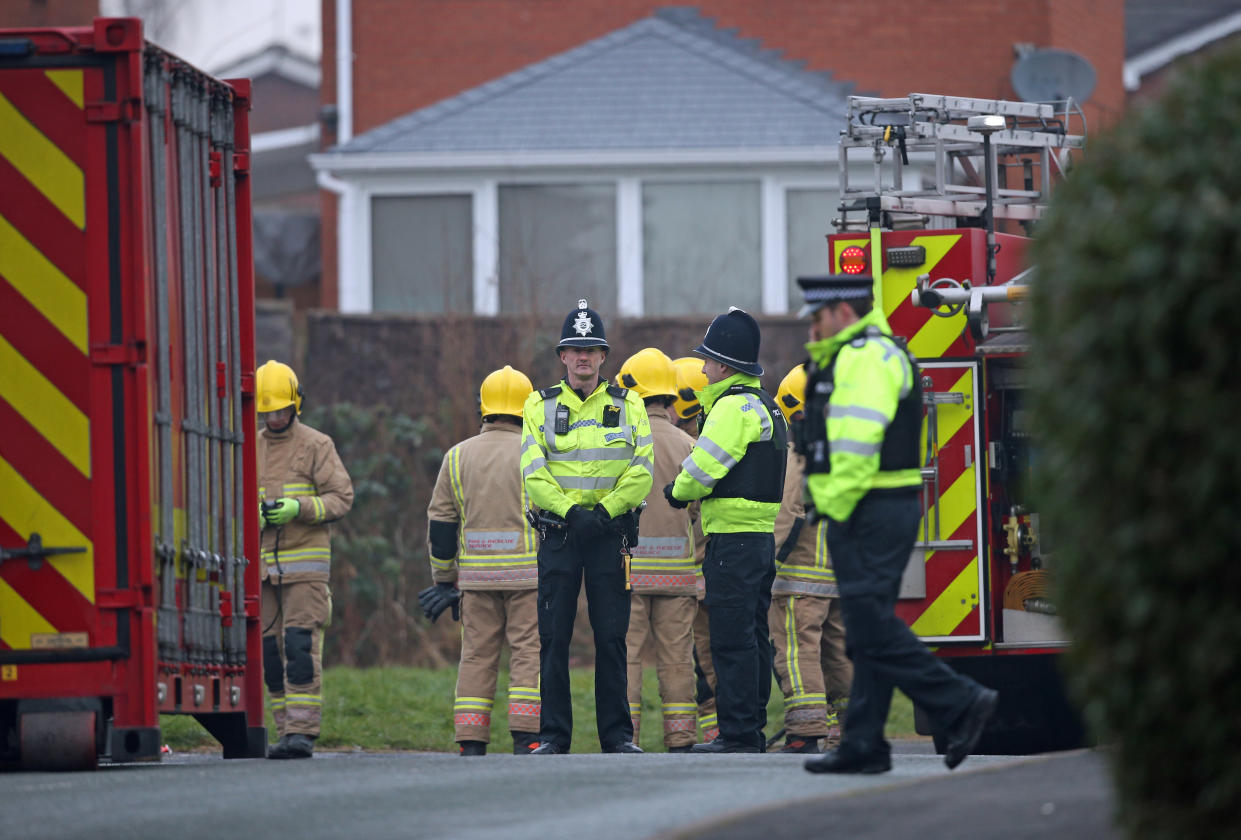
(701, 247)
(809, 215)
(422, 255)
(557, 244)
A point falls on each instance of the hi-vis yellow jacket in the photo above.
(734, 421)
(871, 377)
(477, 529)
(302, 464)
(603, 458)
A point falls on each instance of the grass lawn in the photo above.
(411, 709)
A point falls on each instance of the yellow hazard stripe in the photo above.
(955, 506)
(952, 606)
(42, 284)
(44, 407)
(26, 512)
(20, 619)
(42, 162)
(70, 84)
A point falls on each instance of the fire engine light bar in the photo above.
(852, 260)
(16, 46)
(909, 256)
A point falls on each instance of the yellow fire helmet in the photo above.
(504, 391)
(690, 378)
(791, 396)
(276, 387)
(649, 373)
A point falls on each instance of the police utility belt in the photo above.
(625, 525)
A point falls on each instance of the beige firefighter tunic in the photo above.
(479, 491)
(805, 620)
(663, 575)
(299, 463)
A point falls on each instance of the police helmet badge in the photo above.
(582, 325)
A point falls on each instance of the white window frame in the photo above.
(483, 189)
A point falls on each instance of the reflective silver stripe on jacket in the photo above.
(697, 473)
(292, 566)
(599, 453)
(856, 447)
(858, 412)
(717, 452)
(754, 404)
(584, 482)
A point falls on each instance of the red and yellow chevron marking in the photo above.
(45, 451)
(953, 586)
(947, 254)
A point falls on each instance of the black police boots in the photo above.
(965, 734)
(719, 745)
(844, 760)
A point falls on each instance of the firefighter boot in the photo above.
(800, 744)
(296, 746)
(525, 743)
(280, 749)
(465, 748)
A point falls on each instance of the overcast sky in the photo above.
(212, 34)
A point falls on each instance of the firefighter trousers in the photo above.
(870, 551)
(704, 670)
(739, 569)
(668, 620)
(293, 616)
(809, 638)
(563, 563)
(488, 619)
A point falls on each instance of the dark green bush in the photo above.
(1135, 370)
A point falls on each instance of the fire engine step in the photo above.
(58, 740)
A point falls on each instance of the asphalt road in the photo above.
(593, 797)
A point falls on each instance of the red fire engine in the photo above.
(945, 173)
(128, 491)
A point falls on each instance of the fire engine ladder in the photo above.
(937, 138)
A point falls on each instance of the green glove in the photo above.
(284, 511)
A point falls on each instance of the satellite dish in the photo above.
(1052, 75)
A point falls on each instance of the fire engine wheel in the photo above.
(58, 741)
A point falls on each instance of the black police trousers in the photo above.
(869, 552)
(562, 565)
(739, 569)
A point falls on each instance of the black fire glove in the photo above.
(584, 524)
(673, 500)
(435, 599)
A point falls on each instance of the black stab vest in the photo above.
(759, 475)
(900, 442)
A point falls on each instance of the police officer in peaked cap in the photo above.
(860, 438)
(586, 462)
(737, 469)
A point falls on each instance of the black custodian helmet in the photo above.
(733, 339)
(582, 328)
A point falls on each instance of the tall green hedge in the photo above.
(1136, 392)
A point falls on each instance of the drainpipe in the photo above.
(344, 132)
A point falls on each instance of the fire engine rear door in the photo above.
(62, 451)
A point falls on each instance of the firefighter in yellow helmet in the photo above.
(686, 410)
(664, 571)
(484, 556)
(303, 487)
(805, 620)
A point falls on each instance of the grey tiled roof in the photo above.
(1149, 23)
(670, 81)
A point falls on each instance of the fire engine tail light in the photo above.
(908, 256)
(853, 260)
